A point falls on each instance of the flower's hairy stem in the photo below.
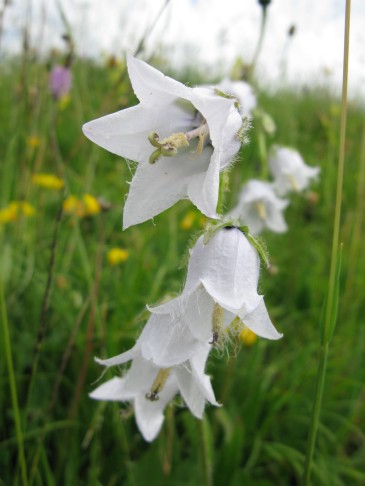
(12, 384)
(331, 302)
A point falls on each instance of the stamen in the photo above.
(158, 384)
(217, 326)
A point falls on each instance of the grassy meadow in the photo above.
(65, 299)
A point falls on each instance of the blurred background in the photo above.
(73, 285)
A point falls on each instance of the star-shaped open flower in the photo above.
(289, 170)
(181, 138)
(259, 207)
(151, 387)
(220, 290)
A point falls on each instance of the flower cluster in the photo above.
(181, 139)
(219, 296)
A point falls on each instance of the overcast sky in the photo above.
(208, 33)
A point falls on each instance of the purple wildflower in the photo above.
(60, 81)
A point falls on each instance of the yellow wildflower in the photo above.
(248, 337)
(91, 205)
(71, 205)
(117, 255)
(188, 221)
(10, 213)
(33, 142)
(87, 206)
(14, 210)
(49, 181)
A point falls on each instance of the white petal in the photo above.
(120, 358)
(167, 341)
(228, 267)
(149, 414)
(113, 390)
(190, 391)
(157, 187)
(203, 189)
(151, 86)
(259, 322)
(224, 122)
(126, 132)
(140, 376)
(275, 220)
(194, 311)
(194, 384)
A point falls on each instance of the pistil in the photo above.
(217, 325)
(158, 384)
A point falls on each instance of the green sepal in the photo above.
(227, 96)
(213, 227)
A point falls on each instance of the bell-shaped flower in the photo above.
(243, 92)
(151, 387)
(181, 138)
(221, 289)
(289, 170)
(259, 207)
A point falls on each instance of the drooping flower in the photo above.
(221, 289)
(151, 387)
(289, 170)
(259, 207)
(243, 92)
(181, 138)
(60, 81)
(48, 181)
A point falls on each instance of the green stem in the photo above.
(13, 390)
(223, 188)
(206, 453)
(331, 300)
(260, 41)
(261, 140)
(316, 411)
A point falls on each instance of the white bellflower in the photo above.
(290, 171)
(180, 137)
(259, 208)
